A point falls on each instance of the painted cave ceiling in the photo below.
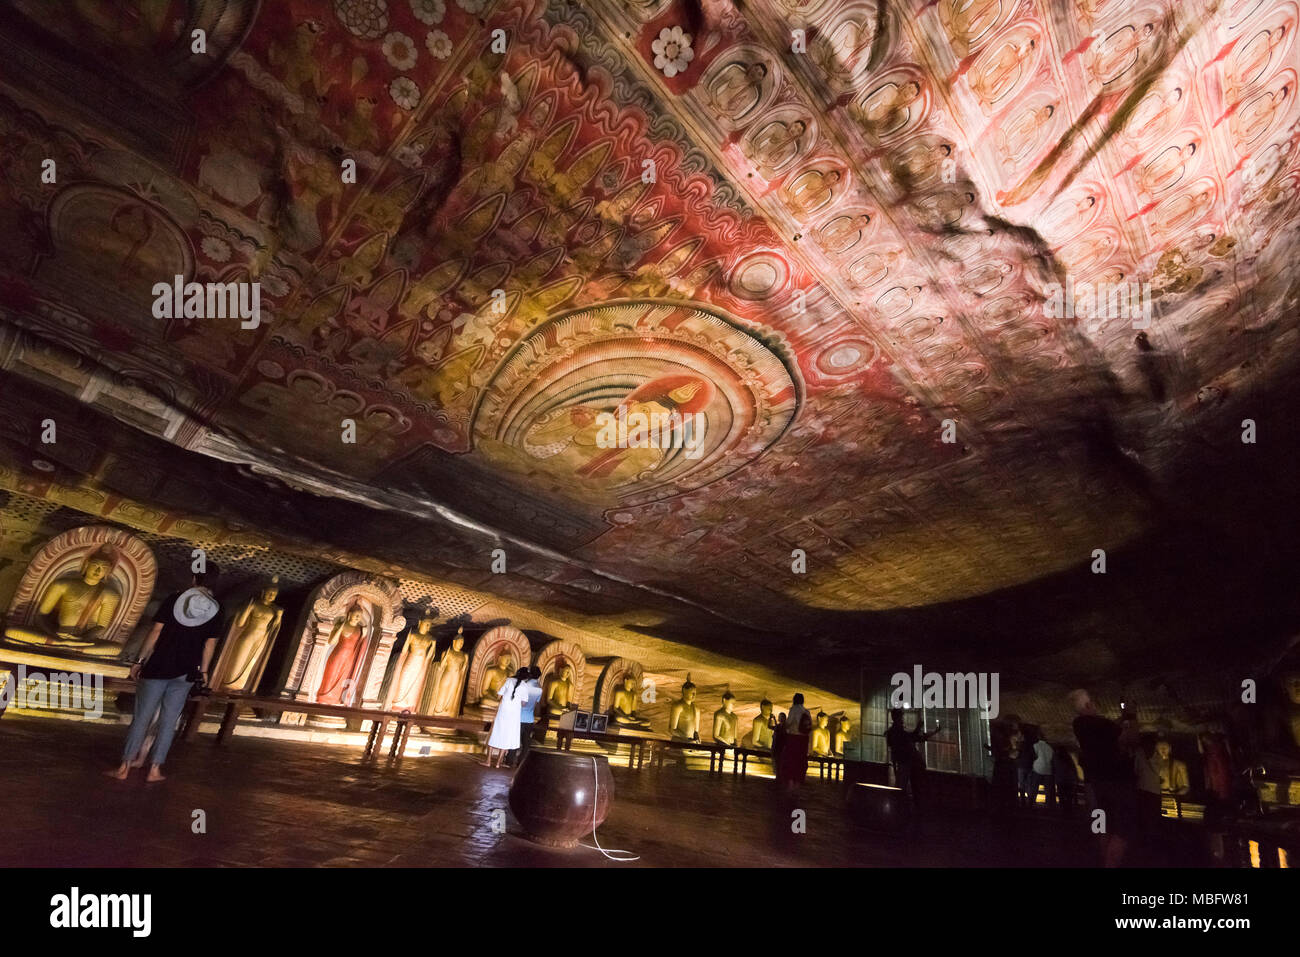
(835, 254)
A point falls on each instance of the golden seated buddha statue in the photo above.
(75, 611)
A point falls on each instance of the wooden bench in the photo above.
(640, 745)
(742, 755)
(832, 763)
(402, 721)
(717, 752)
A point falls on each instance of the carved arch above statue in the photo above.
(554, 655)
(611, 677)
(503, 638)
(134, 572)
(380, 601)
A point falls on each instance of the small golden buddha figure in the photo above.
(684, 715)
(726, 721)
(76, 610)
(345, 643)
(559, 692)
(760, 732)
(1173, 773)
(495, 676)
(412, 667)
(820, 742)
(623, 712)
(255, 628)
(449, 684)
(843, 732)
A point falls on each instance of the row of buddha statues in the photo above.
(684, 721)
(85, 591)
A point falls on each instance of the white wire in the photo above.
(595, 800)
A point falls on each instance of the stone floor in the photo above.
(274, 803)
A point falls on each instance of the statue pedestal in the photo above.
(327, 721)
(47, 659)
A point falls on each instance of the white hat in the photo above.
(195, 606)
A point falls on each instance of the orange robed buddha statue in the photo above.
(345, 643)
(75, 611)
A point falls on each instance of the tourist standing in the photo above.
(1065, 778)
(505, 726)
(527, 714)
(777, 724)
(792, 765)
(908, 762)
(174, 658)
(1024, 763)
(1040, 774)
(1003, 785)
(1108, 775)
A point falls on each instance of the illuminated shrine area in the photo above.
(697, 354)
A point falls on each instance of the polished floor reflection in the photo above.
(272, 803)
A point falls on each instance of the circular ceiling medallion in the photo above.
(846, 357)
(759, 276)
(634, 401)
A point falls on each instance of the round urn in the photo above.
(559, 796)
(879, 807)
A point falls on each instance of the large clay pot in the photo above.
(553, 794)
(878, 806)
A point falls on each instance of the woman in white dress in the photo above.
(505, 726)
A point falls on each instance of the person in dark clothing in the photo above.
(1003, 785)
(1108, 774)
(1025, 764)
(908, 761)
(1065, 777)
(175, 656)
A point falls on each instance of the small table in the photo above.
(639, 745)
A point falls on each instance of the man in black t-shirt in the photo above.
(1104, 753)
(908, 762)
(175, 655)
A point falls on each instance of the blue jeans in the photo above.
(151, 695)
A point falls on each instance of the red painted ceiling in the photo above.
(840, 220)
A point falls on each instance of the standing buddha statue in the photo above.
(345, 642)
(254, 629)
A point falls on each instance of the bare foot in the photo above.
(155, 775)
(119, 773)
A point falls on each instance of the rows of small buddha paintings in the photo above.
(83, 595)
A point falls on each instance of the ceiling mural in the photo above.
(817, 236)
